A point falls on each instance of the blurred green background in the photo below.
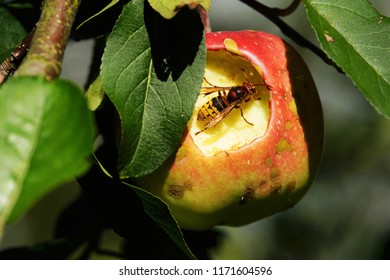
(346, 212)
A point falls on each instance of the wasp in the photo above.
(229, 98)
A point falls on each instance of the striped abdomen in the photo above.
(212, 108)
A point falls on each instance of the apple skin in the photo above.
(264, 177)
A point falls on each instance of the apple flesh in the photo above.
(234, 173)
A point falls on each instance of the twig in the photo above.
(273, 15)
(49, 42)
(289, 10)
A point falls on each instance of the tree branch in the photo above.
(288, 10)
(51, 36)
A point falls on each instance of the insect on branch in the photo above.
(11, 63)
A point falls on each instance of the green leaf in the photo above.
(156, 209)
(95, 94)
(169, 8)
(11, 34)
(46, 134)
(153, 86)
(357, 38)
(161, 214)
(109, 5)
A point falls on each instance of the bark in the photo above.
(46, 52)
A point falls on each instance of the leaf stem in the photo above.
(204, 15)
(49, 42)
(273, 15)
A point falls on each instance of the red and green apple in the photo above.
(237, 172)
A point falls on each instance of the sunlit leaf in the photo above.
(152, 74)
(169, 8)
(357, 37)
(111, 4)
(46, 134)
(95, 94)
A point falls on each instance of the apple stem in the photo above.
(204, 15)
(273, 14)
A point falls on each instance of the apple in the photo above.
(251, 165)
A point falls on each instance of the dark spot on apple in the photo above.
(248, 194)
(290, 186)
(275, 173)
(262, 184)
(177, 191)
(275, 188)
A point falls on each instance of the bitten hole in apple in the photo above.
(223, 71)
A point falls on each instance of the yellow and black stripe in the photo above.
(212, 108)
